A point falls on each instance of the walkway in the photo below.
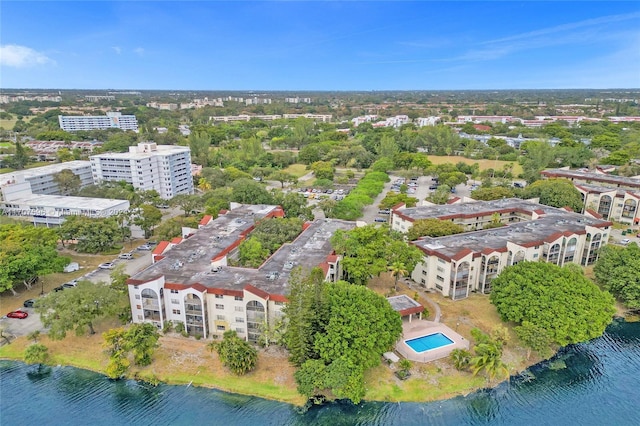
(433, 306)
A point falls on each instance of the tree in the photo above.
(561, 300)
(19, 158)
(394, 198)
(251, 253)
(147, 217)
(461, 359)
(440, 195)
(27, 253)
(353, 327)
(556, 193)
(36, 353)
(187, 202)
(248, 191)
(304, 314)
(433, 228)
(236, 354)
(323, 170)
(77, 310)
(283, 177)
(539, 156)
(488, 356)
(93, 235)
(199, 143)
(369, 250)
(142, 340)
(67, 181)
(617, 271)
(492, 193)
(397, 268)
(534, 338)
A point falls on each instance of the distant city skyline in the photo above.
(289, 46)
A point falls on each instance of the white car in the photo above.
(144, 247)
(107, 265)
(625, 241)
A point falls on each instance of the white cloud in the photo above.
(12, 55)
(117, 49)
(139, 50)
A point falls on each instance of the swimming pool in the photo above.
(429, 342)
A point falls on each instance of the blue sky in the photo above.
(300, 45)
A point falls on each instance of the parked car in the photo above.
(72, 267)
(162, 206)
(59, 288)
(384, 211)
(17, 314)
(29, 303)
(126, 256)
(433, 187)
(107, 265)
(67, 286)
(151, 243)
(144, 247)
(625, 241)
(380, 219)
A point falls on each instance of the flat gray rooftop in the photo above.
(402, 302)
(597, 177)
(523, 233)
(44, 170)
(64, 202)
(477, 208)
(190, 261)
(601, 189)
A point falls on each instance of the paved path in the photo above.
(433, 306)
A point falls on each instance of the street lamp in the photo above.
(97, 306)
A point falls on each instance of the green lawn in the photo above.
(8, 124)
(484, 164)
(297, 170)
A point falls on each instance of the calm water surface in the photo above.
(599, 386)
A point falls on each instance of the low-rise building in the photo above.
(583, 177)
(192, 282)
(620, 205)
(42, 179)
(113, 120)
(459, 264)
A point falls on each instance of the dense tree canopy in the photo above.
(93, 235)
(618, 270)
(369, 250)
(562, 301)
(77, 310)
(556, 193)
(433, 228)
(67, 181)
(235, 353)
(492, 193)
(337, 331)
(26, 253)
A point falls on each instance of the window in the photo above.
(239, 319)
(240, 330)
(138, 306)
(219, 296)
(424, 272)
(439, 278)
(135, 287)
(176, 311)
(175, 301)
(423, 281)
(535, 255)
(220, 328)
(239, 309)
(140, 318)
(239, 298)
(220, 317)
(279, 303)
(174, 291)
(138, 296)
(218, 306)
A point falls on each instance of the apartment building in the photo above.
(620, 205)
(191, 280)
(297, 100)
(42, 180)
(163, 106)
(427, 121)
(113, 120)
(579, 177)
(459, 264)
(147, 166)
(325, 118)
(98, 98)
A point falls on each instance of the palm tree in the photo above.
(397, 268)
(489, 358)
(461, 358)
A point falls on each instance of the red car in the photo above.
(17, 314)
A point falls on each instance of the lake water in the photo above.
(599, 386)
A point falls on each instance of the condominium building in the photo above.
(42, 180)
(580, 177)
(325, 118)
(113, 120)
(616, 204)
(191, 280)
(459, 264)
(147, 166)
(98, 98)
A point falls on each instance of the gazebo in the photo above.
(406, 306)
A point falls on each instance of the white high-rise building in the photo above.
(42, 179)
(165, 168)
(113, 120)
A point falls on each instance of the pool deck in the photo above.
(411, 330)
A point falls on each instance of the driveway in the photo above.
(370, 212)
(21, 327)
(140, 261)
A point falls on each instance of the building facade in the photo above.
(42, 179)
(459, 264)
(147, 166)
(113, 120)
(620, 205)
(191, 281)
